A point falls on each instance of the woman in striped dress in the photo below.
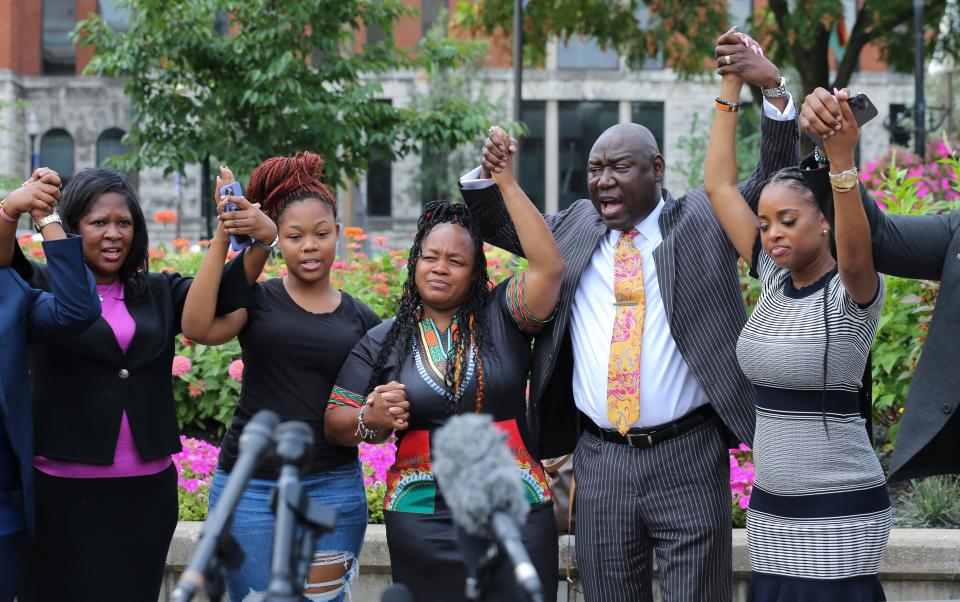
(819, 514)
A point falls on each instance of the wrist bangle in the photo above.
(268, 247)
(364, 432)
(818, 155)
(723, 105)
(6, 216)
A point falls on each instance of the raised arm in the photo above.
(38, 196)
(854, 253)
(486, 201)
(740, 55)
(248, 220)
(541, 285)
(720, 173)
(909, 246)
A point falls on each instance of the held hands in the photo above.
(38, 196)
(740, 56)
(497, 156)
(387, 408)
(828, 116)
(247, 220)
(503, 175)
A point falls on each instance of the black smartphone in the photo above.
(863, 111)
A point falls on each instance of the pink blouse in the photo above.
(126, 459)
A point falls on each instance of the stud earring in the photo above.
(824, 232)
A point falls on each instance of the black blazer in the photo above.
(926, 247)
(83, 383)
(696, 268)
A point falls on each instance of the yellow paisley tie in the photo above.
(623, 372)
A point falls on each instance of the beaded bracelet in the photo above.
(363, 431)
(723, 105)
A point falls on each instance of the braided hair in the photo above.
(280, 181)
(793, 178)
(471, 334)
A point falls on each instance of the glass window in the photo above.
(115, 15)
(585, 53)
(56, 152)
(379, 185)
(650, 114)
(109, 144)
(740, 13)
(59, 53)
(533, 152)
(374, 34)
(429, 12)
(581, 123)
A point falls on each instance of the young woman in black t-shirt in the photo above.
(295, 335)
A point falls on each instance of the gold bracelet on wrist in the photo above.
(845, 181)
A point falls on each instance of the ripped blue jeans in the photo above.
(253, 522)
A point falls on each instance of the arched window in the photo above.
(56, 152)
(59, 52)
(109, 144)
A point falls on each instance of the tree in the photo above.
(441, 166)
(243, 80)
(794, 33)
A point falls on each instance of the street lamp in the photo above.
(33, 130)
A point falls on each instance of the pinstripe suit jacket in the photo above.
(696, 269)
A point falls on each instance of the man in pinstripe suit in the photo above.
(663, 487)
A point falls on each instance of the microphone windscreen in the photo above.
(396, 593)
(476, 473)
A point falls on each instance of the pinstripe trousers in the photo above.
(672, 499)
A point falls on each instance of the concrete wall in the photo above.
(920, 564)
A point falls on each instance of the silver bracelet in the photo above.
(364, 432)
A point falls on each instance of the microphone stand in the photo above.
(299, 520)
(218, 551)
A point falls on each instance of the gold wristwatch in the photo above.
(845, 181)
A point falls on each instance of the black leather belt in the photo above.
(647, 437)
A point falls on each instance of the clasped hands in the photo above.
(829, 117)
(387, 408)
(38, 196)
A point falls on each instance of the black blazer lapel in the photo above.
(665, 254)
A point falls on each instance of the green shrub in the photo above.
(933, 502)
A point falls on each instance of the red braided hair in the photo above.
(279, 181)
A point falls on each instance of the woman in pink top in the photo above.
(104, 414)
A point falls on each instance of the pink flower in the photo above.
(181, 365)
(236, 370)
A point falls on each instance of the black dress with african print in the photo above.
(426, 553)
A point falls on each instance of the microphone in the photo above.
(256, 442)
(396, 593)
(478, 478)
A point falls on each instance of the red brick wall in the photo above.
(85, 8)
(20, 31)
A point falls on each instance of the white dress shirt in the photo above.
(668, 389)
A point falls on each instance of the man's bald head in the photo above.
(632, 136)
(624, 174)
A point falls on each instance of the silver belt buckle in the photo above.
(647, 436)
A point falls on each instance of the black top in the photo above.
(506, 367)
(291, 358)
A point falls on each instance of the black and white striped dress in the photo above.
(819, 514)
